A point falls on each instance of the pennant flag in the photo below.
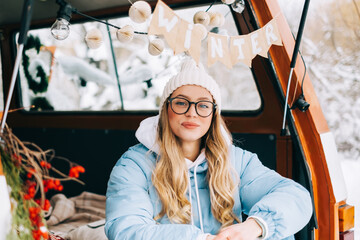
(165, 22)
(258, 44)
(272, 33)
(218, 49)
(189, 39)
(240, 47)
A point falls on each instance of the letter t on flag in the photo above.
(218, 50)
(165, 22)
(240, 50)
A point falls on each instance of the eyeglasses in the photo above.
(182, 106)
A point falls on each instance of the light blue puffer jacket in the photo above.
(132, 201)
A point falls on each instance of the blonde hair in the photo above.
(170, 174)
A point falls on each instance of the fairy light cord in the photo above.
(210, 5)
(74, 10)
(106, 23)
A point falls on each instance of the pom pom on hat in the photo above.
(192, 74)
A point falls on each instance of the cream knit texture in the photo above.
(192, 74)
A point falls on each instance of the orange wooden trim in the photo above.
(309, 125)
(267, 10)
(346, 217)
(1, 168)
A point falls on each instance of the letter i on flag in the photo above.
(218, 49)
(165, 22)
(189, 39)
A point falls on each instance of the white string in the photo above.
(189, 186)
(198, 198)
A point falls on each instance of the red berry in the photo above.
(57, 182)
(80, 169)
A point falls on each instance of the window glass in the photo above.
(67, 75)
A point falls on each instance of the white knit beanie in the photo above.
(192, 74)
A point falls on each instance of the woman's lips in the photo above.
(190, 125)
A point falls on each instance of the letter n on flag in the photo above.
(164, 22)
(218, 49)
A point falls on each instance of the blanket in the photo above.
(80, 217)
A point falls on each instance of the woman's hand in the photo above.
(248, 230)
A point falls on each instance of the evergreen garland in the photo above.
(36, 87)
(41, 104)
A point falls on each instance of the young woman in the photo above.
(185, 180)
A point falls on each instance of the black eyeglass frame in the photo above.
(195, 104)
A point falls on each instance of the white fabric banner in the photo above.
(183, 36)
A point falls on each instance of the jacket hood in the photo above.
(147, 131)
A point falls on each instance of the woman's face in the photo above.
(190, 127)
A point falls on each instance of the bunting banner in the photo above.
(183, 36)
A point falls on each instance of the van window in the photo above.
(67, 75)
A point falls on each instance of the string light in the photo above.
(60, 30)
(238, 6)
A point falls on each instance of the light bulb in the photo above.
(238, 6)
(60, 29)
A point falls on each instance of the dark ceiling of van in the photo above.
(11, 10)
